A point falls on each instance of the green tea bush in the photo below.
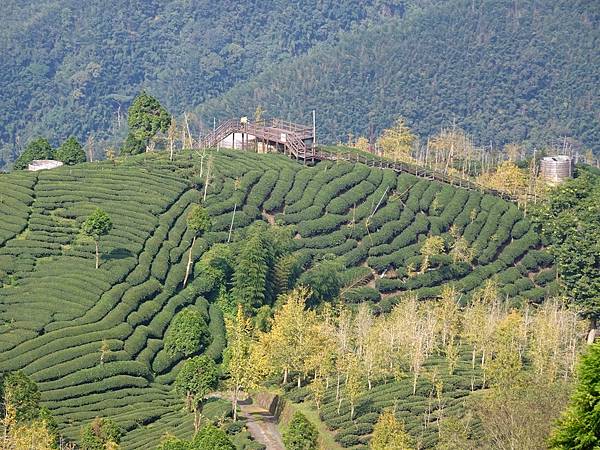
(216, 328)
(430, 193)
(322, 225)
(361, 294)
(302, 178)
(282, 187)
(349, 199)
(261, 190)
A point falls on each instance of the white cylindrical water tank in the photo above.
(556, 169)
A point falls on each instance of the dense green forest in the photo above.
(67, 67)
(505, 71)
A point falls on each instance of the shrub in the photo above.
(187, 334)
(211, 438)
(262, 189)
(216, 328)
(300, 181)
(349, 199)
(360, 294)
(321, 225)
(301, 434)
(282, 187)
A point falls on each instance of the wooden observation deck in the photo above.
(297, 141)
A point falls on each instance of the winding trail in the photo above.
(262, 425)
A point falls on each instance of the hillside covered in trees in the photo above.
(114, 280)
(504, 71)
(73, 68)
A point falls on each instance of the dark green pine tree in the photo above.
(579, 428)
(146, 118)
(251, 270)
(70, 152)
(39, 148)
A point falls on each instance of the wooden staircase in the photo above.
(285, 136)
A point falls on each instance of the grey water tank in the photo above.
(556, 169)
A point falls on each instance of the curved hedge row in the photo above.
(66, 316)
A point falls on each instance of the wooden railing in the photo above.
(291, 137)
(218, 134)
(287, 134)
(397, 166)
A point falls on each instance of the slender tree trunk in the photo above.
(285, 375)
(208, 167)
(236, 395)
(337, 388)
(97, 255)
(593, 331)
(197, 418)
(231, 224)
(299, 381)
(189, 264)
(188, 401)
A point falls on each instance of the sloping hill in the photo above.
(504, 71)
(71, 68)
(93, 339)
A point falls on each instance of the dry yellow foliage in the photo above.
(397, 141)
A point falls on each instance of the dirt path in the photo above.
(262, 425)
(270, 218)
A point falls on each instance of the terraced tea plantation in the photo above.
(93, 339)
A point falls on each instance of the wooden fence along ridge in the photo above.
(297, 141)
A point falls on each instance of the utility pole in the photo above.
(314, 119)
(215, 129)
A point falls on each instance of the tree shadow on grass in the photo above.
(117, 253)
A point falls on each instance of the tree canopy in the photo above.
(301, 434)
(389, 434)
(70, 152)
(570, 221)
(579, 428)
(197, 378)
(323, 280)
(188, 333)
(38, 148)
(198, 220)
(100, 434)
(22, 394)
(211, 438)
(96, 225)
(146, 118)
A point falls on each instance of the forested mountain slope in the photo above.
(93, 340)
(504, 70)
(68, 66)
